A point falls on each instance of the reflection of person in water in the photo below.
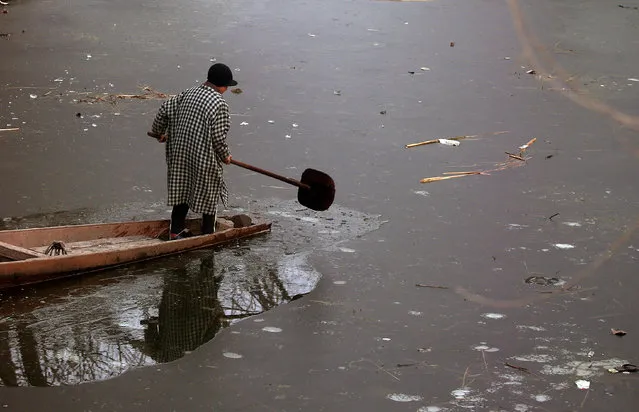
(189, 315)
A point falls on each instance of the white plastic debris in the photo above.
(312, 35)
(89, 57)
(564, 246)
(425, 69)
(232, 355)
(288, 136)
(244, 124)
(271, 121)
(33, 96)
(534, 328)
(271, 329)
(524, 147)
(295, 125)
(460, 393)
(582, 384)
(449, 142)
(59, 79)
(493, 315)
(485, 348)
(4, 3)
(542, 398)
(632, 79)
(402, 397)
(572, 224)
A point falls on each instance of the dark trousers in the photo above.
(178, 220)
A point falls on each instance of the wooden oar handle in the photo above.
(257, 169)
(271, 174)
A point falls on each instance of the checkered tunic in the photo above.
(196, 123)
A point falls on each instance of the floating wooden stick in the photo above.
(519, 368)
(438, 178)
(421, 285)
(463, 173)
(527, 145)
(514, 156)
(408, 146)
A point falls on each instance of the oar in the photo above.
(316, 189)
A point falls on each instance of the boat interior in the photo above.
(84, 239)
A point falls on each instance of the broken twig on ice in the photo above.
(438, 178)
(421, 285)
(408, 146)
(514, 156)
(498, 167)
(519, 368)
(462, 173)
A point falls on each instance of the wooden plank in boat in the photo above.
(13, 252)
(105, 244)
(36, 237)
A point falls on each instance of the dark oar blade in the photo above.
(321, 194)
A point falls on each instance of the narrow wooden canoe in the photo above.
(23, 258)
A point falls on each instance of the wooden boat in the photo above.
(41, 254)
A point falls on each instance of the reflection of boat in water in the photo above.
(41, 254)
(68, 333)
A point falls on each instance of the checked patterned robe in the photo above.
(196, 123)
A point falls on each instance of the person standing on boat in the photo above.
(194, 125)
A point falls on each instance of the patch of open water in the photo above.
(99, 326)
